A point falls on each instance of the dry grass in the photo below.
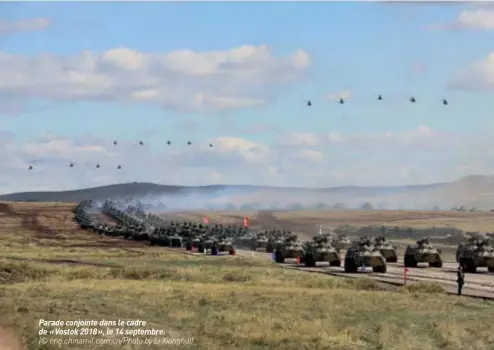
(223, 302)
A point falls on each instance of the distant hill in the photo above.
(135, 189)
(472, 191)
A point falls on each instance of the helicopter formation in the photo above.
(309, 103)
(115, 143)
(380, 98)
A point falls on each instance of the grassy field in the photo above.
(49, 269)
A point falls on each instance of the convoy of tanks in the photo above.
(133, 223)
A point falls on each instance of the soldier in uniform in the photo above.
(461, 278)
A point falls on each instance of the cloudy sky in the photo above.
(75, 77)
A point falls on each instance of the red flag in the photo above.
(298, 260)
(246, 221)
(205, 220)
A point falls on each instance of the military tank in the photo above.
(422, 252)
(364, 253)
(386, 248)
(320, 250)
(291, 248)
(477, 252)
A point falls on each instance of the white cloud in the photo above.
(478, 76)
(474, 19)
(479, 19)
(248, 76)
(299, 139)
(32, 24)
(420, 155)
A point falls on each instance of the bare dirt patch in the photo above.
(52, 224)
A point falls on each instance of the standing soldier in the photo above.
(461, 278)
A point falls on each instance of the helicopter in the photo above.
(412, 99)
(30, 167)
(169, 143)
(97, 166)
(115, 143)
(119, 167)
(342, 101)
(141, 143)
(189, 143)
(211, 145)
(379, 98)
(309, 103)
(445, 102)
(71, 165)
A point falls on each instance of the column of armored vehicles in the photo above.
(475, 252)
(135, 224)
(375, 254)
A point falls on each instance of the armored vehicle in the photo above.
(244, 240)
(342, 243)
(140, 235)
(422, 252)
(195, 242)
(208, 242)
(274, 237)
(290, 249)
(319, 250)
(386, 248)
(175, 241)
(260, 242)
(364, 253)
(198, 242)
(477, 252)
(226, 245)
(160, 239)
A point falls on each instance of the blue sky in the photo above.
(355, 49)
